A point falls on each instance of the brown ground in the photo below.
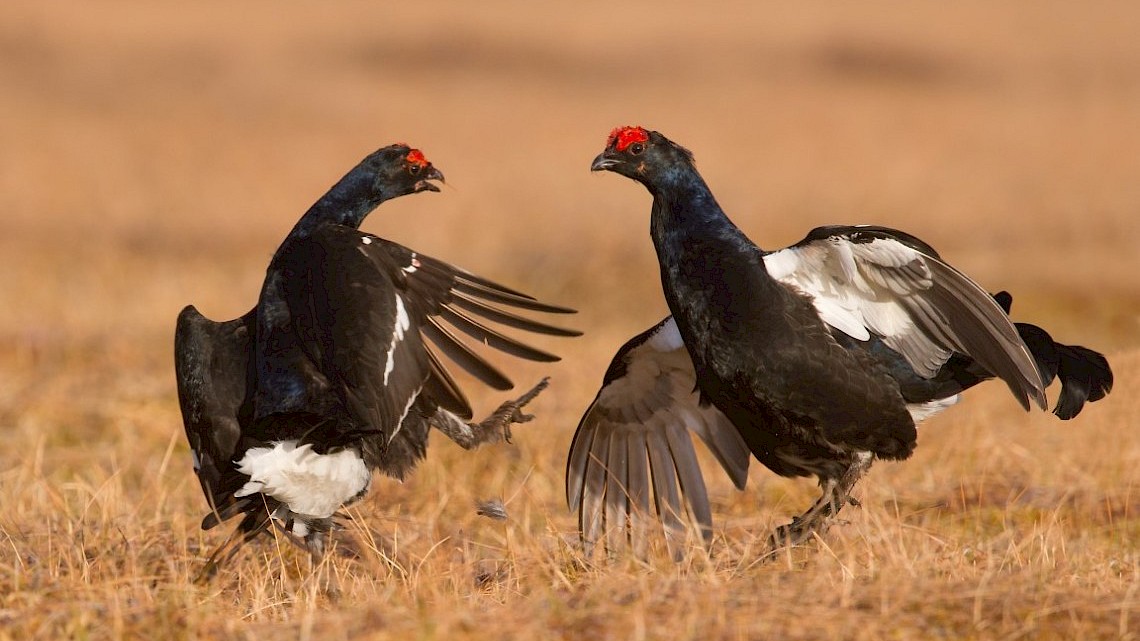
(153, 155)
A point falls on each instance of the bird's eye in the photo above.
(636, 148)
(414, 169)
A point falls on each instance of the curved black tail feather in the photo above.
(1084, 374)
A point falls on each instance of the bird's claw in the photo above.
(787, 535)
(796, 532)
(511, 412)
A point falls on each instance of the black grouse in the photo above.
(290, 408)
(816, 359)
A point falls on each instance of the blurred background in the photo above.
(154, 154)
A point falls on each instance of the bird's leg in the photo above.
(221, 555)
(316, 542)
(836, 494)
(493, 428)
(499, 422)
(250, 526)
(315, 536)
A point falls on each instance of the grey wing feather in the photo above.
(617, 501)
(988, 335)
(632, 451)
(874, 280)
(592, 482)
(689, 475)
(637, 488)
(664, 473)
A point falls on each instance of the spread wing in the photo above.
(632, 457)
(362, 308)
(454, 301)
(352, 332)
(874, 280)
(212, 365)
(352, 313)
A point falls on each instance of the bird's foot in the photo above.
(817, 520)
(789, 535)
(494, 428)
(801, 528)
(821, 515)
(509, 413)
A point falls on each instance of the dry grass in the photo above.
(154, 155)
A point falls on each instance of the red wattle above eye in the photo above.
(622, 137)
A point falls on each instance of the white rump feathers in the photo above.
(311, 484)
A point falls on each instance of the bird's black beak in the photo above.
(603, 162)
(430, 174)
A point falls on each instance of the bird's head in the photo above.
(387, 173)
(398, 170)
(640, 154)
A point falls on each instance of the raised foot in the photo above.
(508, 413)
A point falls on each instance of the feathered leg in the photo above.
(493, 428)
(818, 518)
(314, 536)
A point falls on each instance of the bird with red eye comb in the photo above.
(339, 369)
(816, 359)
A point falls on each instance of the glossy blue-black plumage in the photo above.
(821, 365)
(761, 353)
(333, 356)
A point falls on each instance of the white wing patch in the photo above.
(919, 412)
(806, 269)
(860, 288)
(782, 264)
(402, 324)
(311, 484)
(667, 338)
